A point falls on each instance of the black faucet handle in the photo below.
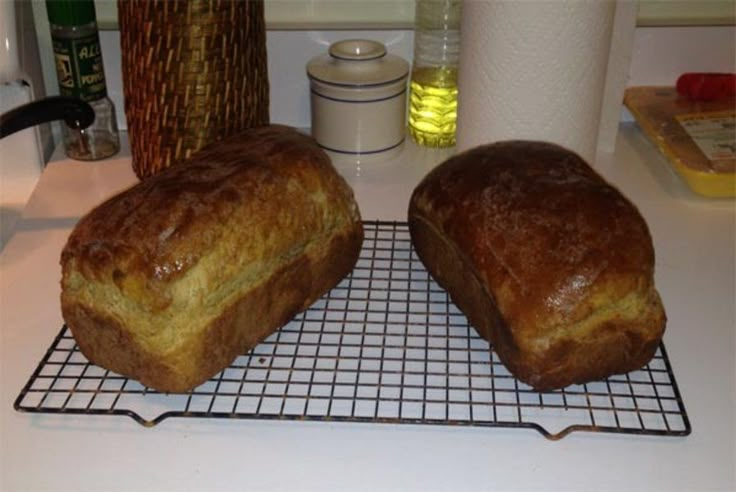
(75, 112)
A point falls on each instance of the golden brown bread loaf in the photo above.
(170, 280)
(549, 263)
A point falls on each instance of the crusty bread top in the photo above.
(229, 197)
(552, 241)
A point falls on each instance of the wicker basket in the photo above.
(194, 72)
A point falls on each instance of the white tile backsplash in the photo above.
(288, 54)
(659, 55)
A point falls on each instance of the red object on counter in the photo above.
(706, 86)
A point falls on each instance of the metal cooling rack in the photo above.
(386, 345)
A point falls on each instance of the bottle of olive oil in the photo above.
(433, 88)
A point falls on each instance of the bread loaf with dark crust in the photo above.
(550, 263)
(172, 279)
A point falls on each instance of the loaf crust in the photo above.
(549, 263)
(172, 279)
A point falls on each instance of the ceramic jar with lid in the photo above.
(358, 98)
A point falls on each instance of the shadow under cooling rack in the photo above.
(386, 345)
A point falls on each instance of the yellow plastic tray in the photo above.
(657, 109)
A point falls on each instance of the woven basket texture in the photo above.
(194, 72)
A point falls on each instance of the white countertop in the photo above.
(694, 242)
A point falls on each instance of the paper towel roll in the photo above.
(533, 70)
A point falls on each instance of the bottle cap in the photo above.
(70, 12)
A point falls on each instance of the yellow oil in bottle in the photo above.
(433, 106)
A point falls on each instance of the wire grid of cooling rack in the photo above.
(385, 345)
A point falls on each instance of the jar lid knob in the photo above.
(357, 50)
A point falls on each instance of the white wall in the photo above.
(660, 54)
